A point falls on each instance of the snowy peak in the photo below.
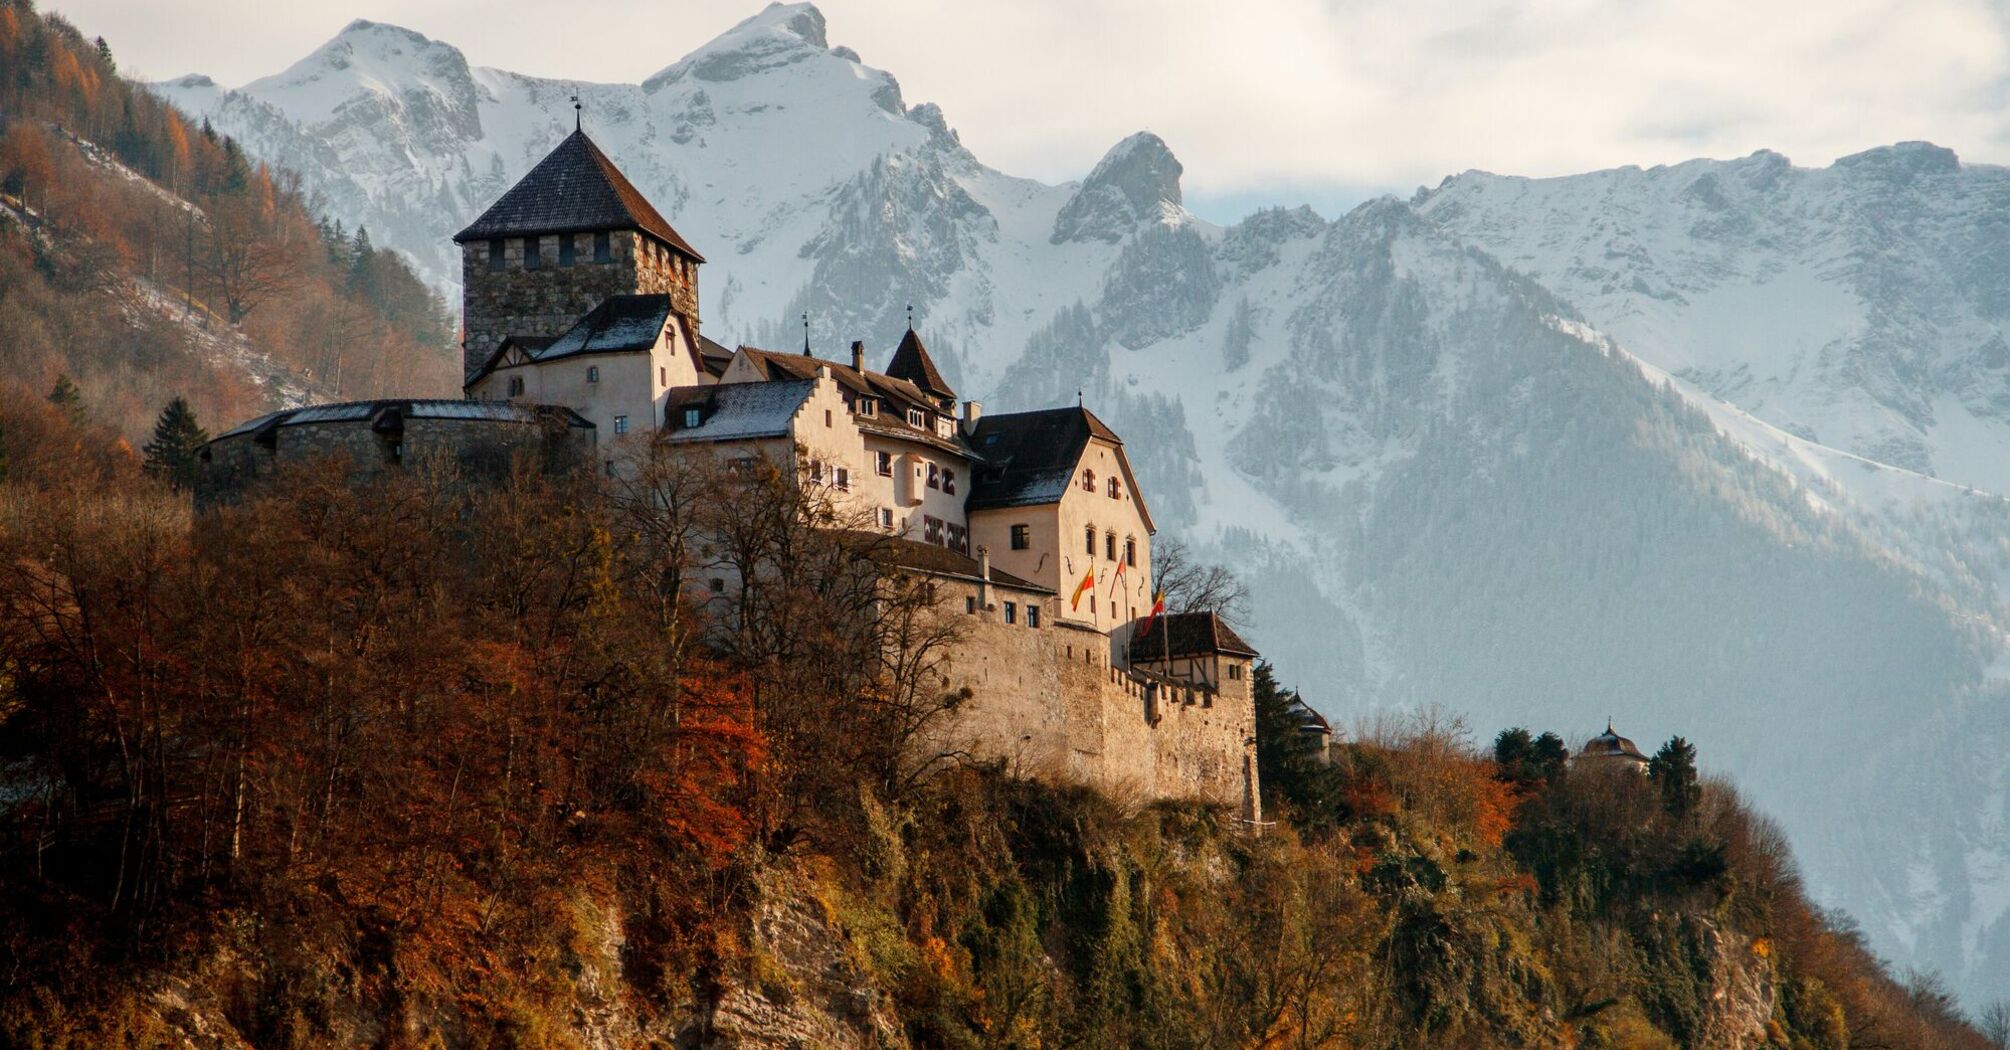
(1134, 183)
(781, 35)
(1903, 160)
(389, 69)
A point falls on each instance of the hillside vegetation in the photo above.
(424, 765)
(146, 257)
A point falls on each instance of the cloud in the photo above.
(1269, 93)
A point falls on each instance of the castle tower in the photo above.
(568, 235)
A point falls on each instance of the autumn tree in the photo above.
(248, 251)
(66, 396)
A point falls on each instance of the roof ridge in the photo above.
(558, 195)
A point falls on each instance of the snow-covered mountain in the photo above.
(1710, 449)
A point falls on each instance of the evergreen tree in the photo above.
(1673, 770)
(105, 56)
(1528, 761)
(67, 397)
(171, 455)
(1293, 774)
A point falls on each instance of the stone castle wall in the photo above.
(231, 465)
(1051, 704)
(547, 300)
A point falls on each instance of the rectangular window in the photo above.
(883, 463)
(1110, 545)
(662, 376)
(495, 255)
(949, 481)
(827, 417)
(885, 517)
(1089, 541)
(1033, 616)
(718, 585)
(917, 418)
(867, 407)
(816, 471)
(593, 373)
(959, 539)
(934, 476)
(1011, 613)
(970, 605)
(842, 478)
(1131, 552)
(516, 386)
(603, 247)
(1022, 537)
(621, 424)
(931, 528)
(533, 253)
(691, 417)
(566, 244)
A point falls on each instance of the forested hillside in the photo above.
(424, 764)
(144, 257)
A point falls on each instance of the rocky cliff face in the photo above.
(1670, 445)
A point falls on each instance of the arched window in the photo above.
(1088, 481)
(1116, 489)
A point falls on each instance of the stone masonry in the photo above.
(546, 301)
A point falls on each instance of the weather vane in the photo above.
(575, 113)
(806, 333)
(910, 317)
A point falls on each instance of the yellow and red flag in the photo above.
(1088, 581)
(1158, 609)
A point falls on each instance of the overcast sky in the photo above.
(1284, 101)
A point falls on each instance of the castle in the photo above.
(581, 328)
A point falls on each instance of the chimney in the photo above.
(857, 356)
(984, 574)
(972, 412)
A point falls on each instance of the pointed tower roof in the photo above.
(912, 363)
(574, 189)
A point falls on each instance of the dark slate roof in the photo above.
(620, 323)
(1188, 634)
(574, 189)
(912, 363)
(715, 355)
(736, 411)
(384, 409)
(928, 557)
(1611, 745)
(1030, 457)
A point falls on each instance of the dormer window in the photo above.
(867, 407)
(691, 417)
(1089, 485)
(603, 247)
(917, 418)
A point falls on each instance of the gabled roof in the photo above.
(912, 363)
(574, 189)
(1189, 634)
(736, 411)
(1030, 457)
(619, 323)
(715, 355)
(897, 394)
